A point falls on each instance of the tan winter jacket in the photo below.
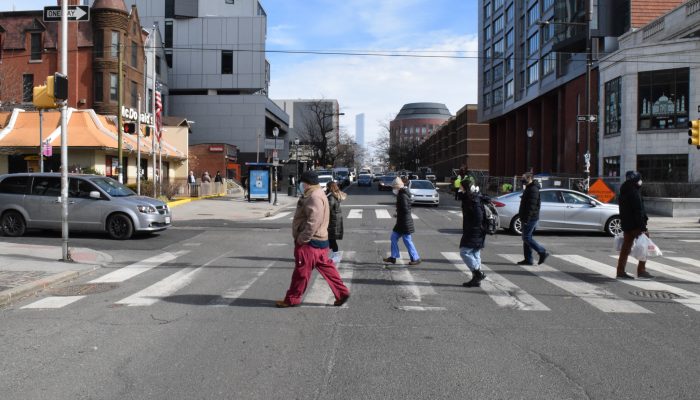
(311, 217)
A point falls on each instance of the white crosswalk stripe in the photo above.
(232, 294)
(53, 302)
(276, 216)
(320, 293)
(138, 268)
(414, 216)
(591, 294)
(666, 269)
(355, 213)
(503, 292)
(688, 299)
(459, 213)
(411, 288)
(686, 260)
(382, 214)
(690, 240)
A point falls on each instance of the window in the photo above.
(611, 166)
(550, 196)
(508, 64)
(487, 99)
(498, 49)
(498, 72)
(533, 44)
(149, 105)
(613, 106)
(46, 186)
(498, 24)
(487, 11)
(168, 34)
(15, 185)
(98, 87)
(158, 65)
(548, 31)
(509, 39)
(27, 88)
(487, 77)
(487, 32)
(546, 4)
(134, 55)
(663, 167)
(80, 188)
(498, 95)
(229, 1)
(497, 4)
(510, 89)
(487, 54)
(36, 46)
(99, 44)
(574, 198)
(134, 94)
(549, 62)
(115, 44)
(227, 62)
(169, 9)
(533, 73)
(533, 14)
(113, 95)
(663, 99)
(169, 58)
(509, 13)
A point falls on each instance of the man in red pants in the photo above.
(310, 231)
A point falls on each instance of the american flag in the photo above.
(159, 116)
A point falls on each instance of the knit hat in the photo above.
(633, 176)
(397, 183)
(309, 177)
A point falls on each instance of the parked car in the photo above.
(385, 182)
(562, 209)
(95, 203)
(424, 192)
(364, 180)
(324, 179)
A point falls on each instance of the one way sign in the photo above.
(75, 13)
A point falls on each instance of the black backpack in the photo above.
(490, 223)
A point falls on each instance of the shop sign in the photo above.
(216, 149)
(132, 115)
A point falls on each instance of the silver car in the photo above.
(423, 191)
(562, 209)
(95, 203)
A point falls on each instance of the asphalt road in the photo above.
(189, 314)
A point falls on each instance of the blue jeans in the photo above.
(408, 241)
(529, 243)
(471, 257)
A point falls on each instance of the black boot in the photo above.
(477, 277)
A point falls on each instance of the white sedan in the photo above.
(423, 191)
(324, 179)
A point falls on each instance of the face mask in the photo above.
(639, 182)
(396, 191)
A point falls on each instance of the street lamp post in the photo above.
(296, 164)
(530, 134)
(275, 133)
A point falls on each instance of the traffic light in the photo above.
(129, 127)
(43, 95)
(60, 87)
(694, 133)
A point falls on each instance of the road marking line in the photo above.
(690, 299)
(504, 293)
(53, 302)
(138, 268)
(167, 286)
(686, 260)
(459, 213)
(232, 294)
(382, 241)
(690, 240)
(320, 293)
(414, 216)
(666, 269)
(382, 214)
(278, 244)
(599, 298)
(420, 308)
(355, 213)
(278, 216)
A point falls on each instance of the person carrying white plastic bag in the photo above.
(633, 219)
(644, 248)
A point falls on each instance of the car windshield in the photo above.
(364, 176)
(112, 187)
(342, 173)
(325, 179)
(387, 179)
(421, 185)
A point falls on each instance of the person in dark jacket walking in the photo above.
(335, 224)
(218, 177)
(529, 214)
(634, 219)
(404, 225)
(473, 234)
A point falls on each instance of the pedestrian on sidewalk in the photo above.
(404, 224)
(205, 177)
(310, 232)
(335, 224)
(633, 218)
(473, 234)
(218, 178)
(529, 214)
(458, 183)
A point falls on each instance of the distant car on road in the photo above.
(95, 203)
(423, 191)
(364, 180)
(384, 182)
(562, 210)
(324, 179)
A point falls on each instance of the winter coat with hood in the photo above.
(530, 203)
(335, 224)
(632, 213)
(404, 220)
(473, 236)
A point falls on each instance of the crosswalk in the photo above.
(508, 286)
(352, 213)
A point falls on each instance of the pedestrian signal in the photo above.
(129, 127)
(147, 131)
(43, 95)
(694, 133)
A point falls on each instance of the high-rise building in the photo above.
(219, 77)
(360, 129)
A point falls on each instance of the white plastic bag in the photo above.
(617, 242)
(652, 249)
(644, 248)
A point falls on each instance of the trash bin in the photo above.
(291, 191)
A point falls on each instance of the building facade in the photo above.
(650, 91)
(360, 129)
(219, 76)
(532, 77)
(417, 121)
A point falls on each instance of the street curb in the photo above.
(175, 203)
(31, 288)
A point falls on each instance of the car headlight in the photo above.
(147, 209)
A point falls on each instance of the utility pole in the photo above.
(589, 61)
(153, 110)
(138, 146)
(65, 254)
(120, 102)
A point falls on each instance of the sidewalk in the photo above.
(26, 269)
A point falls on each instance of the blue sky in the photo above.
(375, 86)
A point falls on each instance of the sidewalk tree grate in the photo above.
(88, 288)
(656, 294)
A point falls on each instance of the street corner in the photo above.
(83, 255)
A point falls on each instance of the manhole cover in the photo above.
(656, 294)
(79, 290)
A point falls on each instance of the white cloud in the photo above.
(380, 86)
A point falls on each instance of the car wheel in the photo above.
(12, 224)
(516, 225)
(119, 227)
(613, 226)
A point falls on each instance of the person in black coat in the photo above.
(404, 225)
(529, 214)
(633, 218)
(473, 234)
(335, 222)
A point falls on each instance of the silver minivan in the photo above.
(95, 203)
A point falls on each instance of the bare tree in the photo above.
(318, 130)
(346, 151)
(10, 86)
